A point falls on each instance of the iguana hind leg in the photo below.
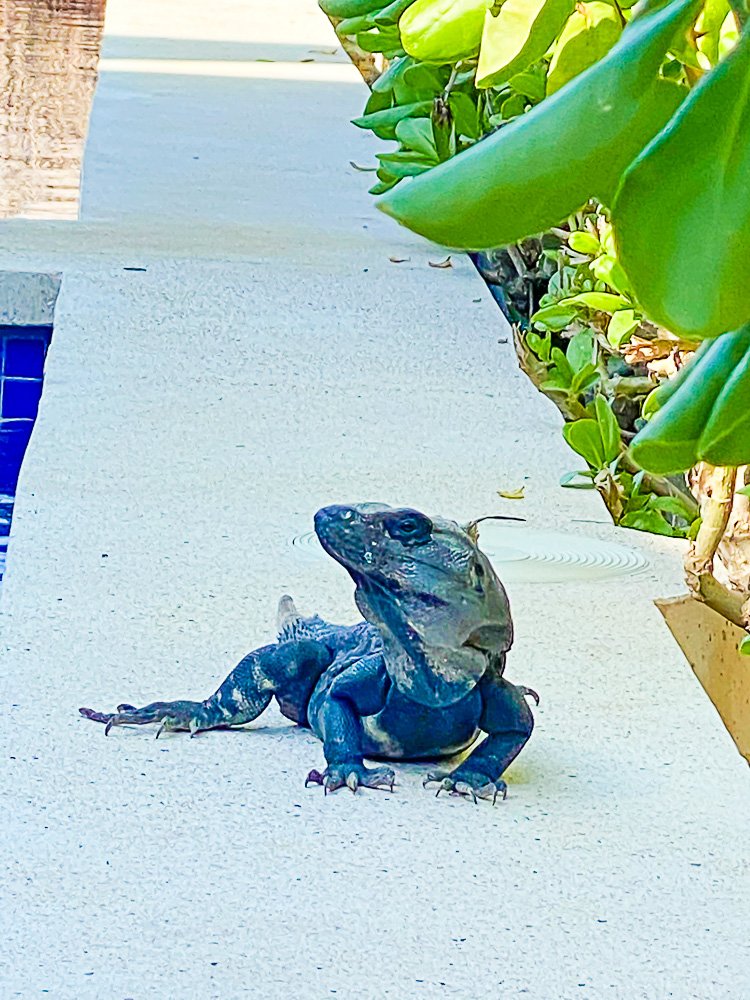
(288, 670)
(508, 722)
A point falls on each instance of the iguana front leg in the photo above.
(336, 714)
(508, 721)
(286, 669)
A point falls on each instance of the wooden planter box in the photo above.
(710, 644)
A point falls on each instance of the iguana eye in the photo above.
(409, 528)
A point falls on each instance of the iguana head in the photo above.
(433, 594)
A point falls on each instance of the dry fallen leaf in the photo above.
(399, 260)
(440, 263)
(364, 170)
(512, 494)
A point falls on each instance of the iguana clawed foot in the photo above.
(352, 776)
(470, 784)
(172, 716)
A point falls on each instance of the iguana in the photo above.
(419, 678)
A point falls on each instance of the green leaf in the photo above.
(349, 8)
(382, 186)
(513, 106)
(422, 77)
(651, 403)
(465, 115)
(562, 365)
(621, 326)
(416, 133)
(728, 36)
(609, 429)
(584, 438)
(673, 506)
(385, 40)
(669, 442)
(405, 164)
(532, 83)
(589, 33)
(598, 301)
(578, 480)
(708, 29)
(509, 186)
(419, 82)
(395, 72)
(584, 379)
(583, 242)
(687, 194)
(352, 25)
(744, 646)
(725, 439)
(648, 520)
(390, 14)
(541, 346)
(383, 123)
(580, 350)
(519, 35)
(377, 101)
(608, 269)
(441, 31)
(745, 491)
(555, 317)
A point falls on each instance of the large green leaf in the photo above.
(443, 31)
(674, 439)
(349, 8)
(682, 214)
(519, 35)
(589, 33)
(534, 172)
(726, 437)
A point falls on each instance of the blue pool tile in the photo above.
(24, 356)
(21, 397)
(14, 437)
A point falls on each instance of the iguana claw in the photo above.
(529, 692)
(469, 784)
(351, 776)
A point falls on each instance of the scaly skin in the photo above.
(420, 678)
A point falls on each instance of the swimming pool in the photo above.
(27, 303)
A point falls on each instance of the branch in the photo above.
(363, 61)
(699, 562)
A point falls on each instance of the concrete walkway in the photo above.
(269, 359)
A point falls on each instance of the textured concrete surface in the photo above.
(269, 359)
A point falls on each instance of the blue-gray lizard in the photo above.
(421, 677)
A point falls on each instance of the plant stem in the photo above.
(451, 81)
(364, 61)
(699, 562)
